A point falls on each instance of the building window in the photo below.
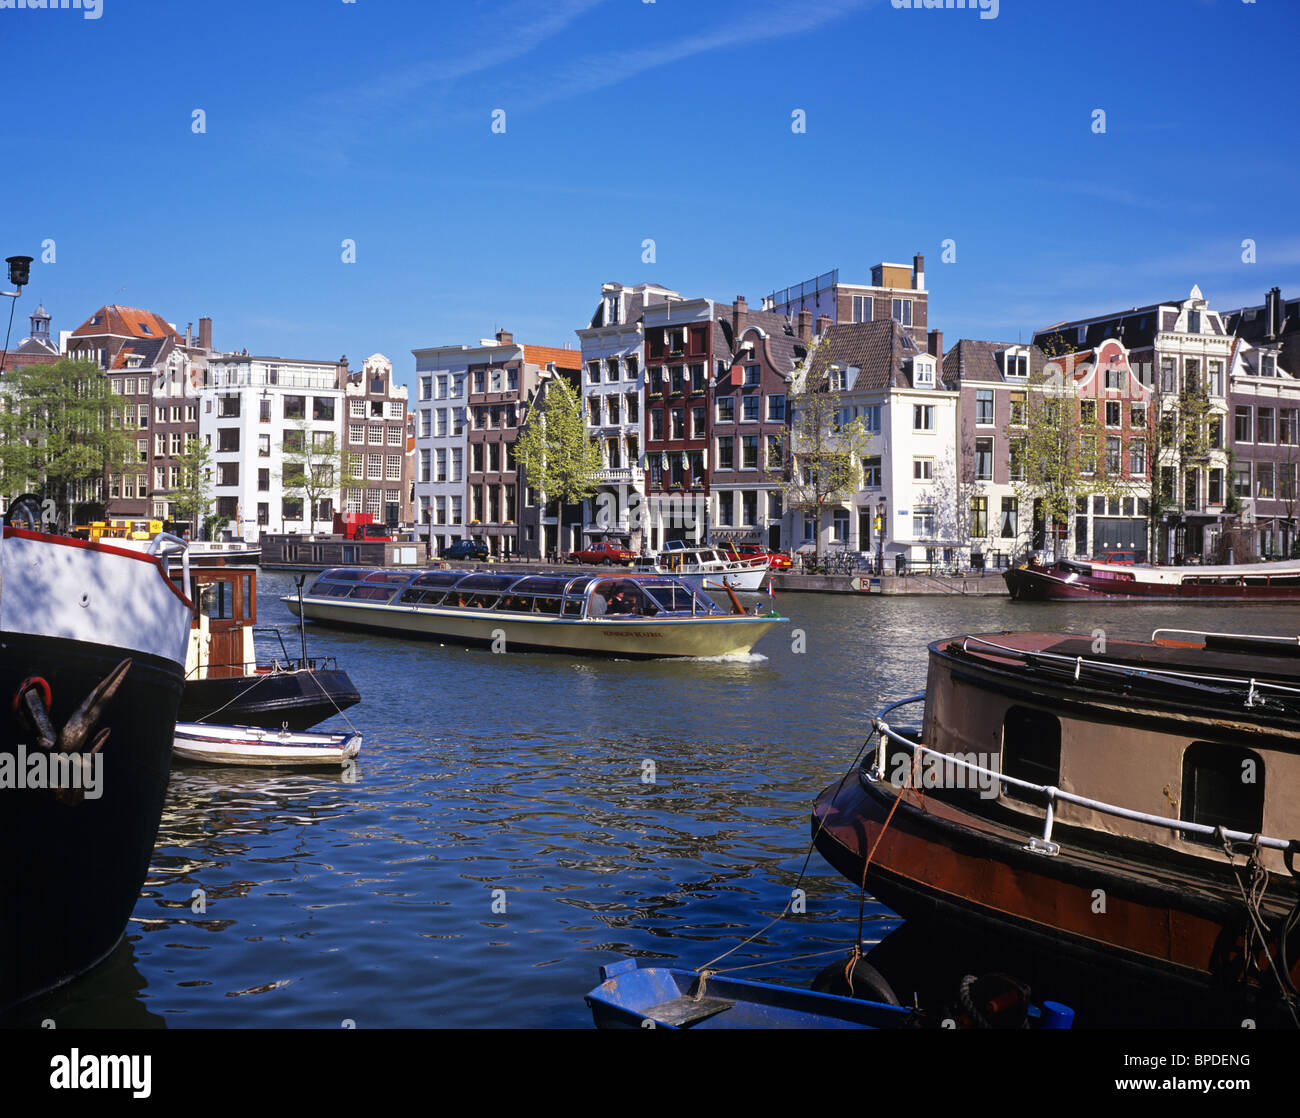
(1137, 457)
(749, 452)
(1010, 516)
(922, 417)
(228, 407)
(1018, 405)
(1264, 425)
(984, 406)
(839, 525)
(679, 423)
(923, 522)
(861, 308)
(979, 517)
(1216, 487)
(749, 408)
(984, 459)
(295, 407)
(1242, 417)
(774, 454)
(322, 408)
(1193, 322)
(726, 409)
(263, 481)
(264, 446)
(228, 439)
(1114, 416)
(871, 473)
(922, 469)
(902, 311)
(871, 419)
(698, 421)
(1264, 480)
(1114, 453)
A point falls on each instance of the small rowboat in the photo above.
(250, 745)
(663, 998)
(634, 997)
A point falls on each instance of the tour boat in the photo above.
(226, 683)
(251, 745)
(631, 616)
(92, 653)
(1075, 578)
(1122, 813)
(707, 569)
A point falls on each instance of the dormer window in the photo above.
(1268, 365)
(1193, 322)
(1015, 365)
(924, 373)
(144, 328)
(838, 378)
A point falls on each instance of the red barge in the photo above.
(1075, 578)
(1122, 816)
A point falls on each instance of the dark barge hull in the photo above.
(1027, 585)
(1165, 951)
(72, 873)
(298, 699)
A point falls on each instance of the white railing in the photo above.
(1052, 794)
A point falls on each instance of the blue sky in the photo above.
(628, 120)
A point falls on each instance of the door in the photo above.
(228, 600)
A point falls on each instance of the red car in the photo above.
(744, 552)
(604, 552)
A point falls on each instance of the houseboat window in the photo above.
(572, 607)
(547, 604)
(219, 600)
(389, 577)
(1223, 786)
(1031, 749)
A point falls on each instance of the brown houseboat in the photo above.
(1067, 579)
(1126, 818)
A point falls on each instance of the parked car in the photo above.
(465, 549)
(1127, 557)
(604, 552)
(743, 552)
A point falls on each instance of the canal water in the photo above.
(517, 820)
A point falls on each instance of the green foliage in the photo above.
(314, 466)
(60, 427)
(194, 495)
(558, 457)
(823, 447)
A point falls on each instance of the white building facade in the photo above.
(250, 410)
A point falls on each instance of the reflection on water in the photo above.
(517, 820)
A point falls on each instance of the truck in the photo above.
(360, 526)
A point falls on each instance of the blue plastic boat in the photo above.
(634, 997)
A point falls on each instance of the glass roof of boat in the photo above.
(517, 582)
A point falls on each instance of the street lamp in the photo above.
(880, 537)
(20, 271)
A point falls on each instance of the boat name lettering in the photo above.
(40, 769)
(632, 633)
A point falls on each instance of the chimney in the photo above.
(918, 273)
(823, 321)
(1279, 310)
(504, 337)
(934, 345)
(205, 333)
(739, 316)
(189, 331)
(803, 325)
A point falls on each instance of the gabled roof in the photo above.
(128, 322)
(541, 355)
(1250, 324)
(970, 360)
(878, 349)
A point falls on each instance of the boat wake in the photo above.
(731, 658)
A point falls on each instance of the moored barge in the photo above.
(1126, 816)
(634, 616)
(1069, 579)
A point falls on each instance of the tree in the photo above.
(194, 494)
(1057, 449)
(823, 446)
(60, 432)
(315, 463)
(559, 459)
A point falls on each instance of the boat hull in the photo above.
(245, 745)
(72, 872)
(1135, 584)
(648, 638)
(297, 699)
